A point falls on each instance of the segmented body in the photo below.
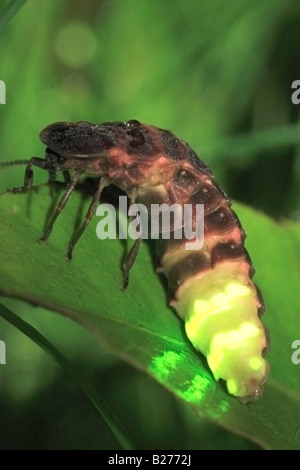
(211, 288)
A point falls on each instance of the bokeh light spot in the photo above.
(75, 45)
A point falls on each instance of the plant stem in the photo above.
(93, 395)
(9, 13)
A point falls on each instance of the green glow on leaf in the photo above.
(197, 389)
(194, 390)
(220, 408)
(162, 366)
(223, 406)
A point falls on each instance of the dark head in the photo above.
(83, 139)
(93, 140)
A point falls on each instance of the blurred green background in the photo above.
(218, 74)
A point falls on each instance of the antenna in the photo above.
(14, 163)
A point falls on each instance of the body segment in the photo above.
(212, 289)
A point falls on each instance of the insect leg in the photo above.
(129, 261)
(66, 176)
(131, 256)
(91, 210)
(28, 179)
(60, 206)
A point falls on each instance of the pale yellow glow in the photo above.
(223, 324)
(256, 363)
(232, 387)
(235, 290)
(201, 307)
(233, 338)
(248, 330)
(220, 300)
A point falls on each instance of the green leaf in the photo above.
(137, 324)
